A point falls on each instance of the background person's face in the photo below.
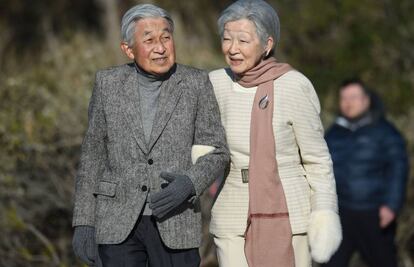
(153, 48)
(241, 46)
(353, 101)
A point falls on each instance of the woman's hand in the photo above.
(325, 234)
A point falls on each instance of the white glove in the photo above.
(325, 234)
(199, 151)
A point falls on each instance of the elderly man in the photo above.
(371, 167)
(137, 189)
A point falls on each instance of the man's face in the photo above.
(153, 48)
(353, 101)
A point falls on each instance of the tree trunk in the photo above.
(112, 25)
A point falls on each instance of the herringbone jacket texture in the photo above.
(118, 168)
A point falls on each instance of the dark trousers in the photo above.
(144, 247)
(362, 233)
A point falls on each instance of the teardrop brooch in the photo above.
(264, 102)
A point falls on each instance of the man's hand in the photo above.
(84, 245)
(386, 216)
(178, 190)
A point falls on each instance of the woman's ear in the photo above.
(269, 45)
(127, 50)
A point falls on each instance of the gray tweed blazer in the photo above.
(118, 168)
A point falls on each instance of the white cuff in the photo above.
(199, 151)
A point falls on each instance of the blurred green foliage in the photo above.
(50, 50)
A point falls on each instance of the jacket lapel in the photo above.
(170, 94)
(130, 106)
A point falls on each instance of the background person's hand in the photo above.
(179, 189)
(386, 216)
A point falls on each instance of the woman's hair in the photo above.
(260, 13)
(140, 12)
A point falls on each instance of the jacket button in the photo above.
(144, 188)
(150, 161)
(164, 185)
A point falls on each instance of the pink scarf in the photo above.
(268, 234)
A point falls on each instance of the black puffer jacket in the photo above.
(370, 161)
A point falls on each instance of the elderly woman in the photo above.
(279, 197)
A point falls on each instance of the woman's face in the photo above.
(241, 46)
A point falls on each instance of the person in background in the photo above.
(278, 204)
(371, 168)
(137, 190)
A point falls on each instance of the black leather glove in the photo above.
(179, 189)
(84, 245)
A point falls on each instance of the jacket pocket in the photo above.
(105, 189)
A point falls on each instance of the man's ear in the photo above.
(127, 50)
(368, 102)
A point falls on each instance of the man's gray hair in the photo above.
(140, 12)
(259, 12)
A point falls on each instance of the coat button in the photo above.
(144, 188)
(164, 185)
(150, 161)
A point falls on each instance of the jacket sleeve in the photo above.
(313, 149)
(208, 132)
(396, 169)
(92, 161)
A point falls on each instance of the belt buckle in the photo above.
(245, 175)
